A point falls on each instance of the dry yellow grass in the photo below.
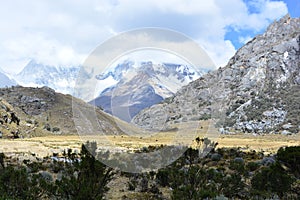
(41, 146)
(266, 143)
(46, 145)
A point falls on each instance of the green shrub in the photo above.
(232, 186)
(252, 166)
(270, 180)
(290, 156)
(86, 179)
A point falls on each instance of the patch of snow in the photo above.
(104, 84)
(286, 55)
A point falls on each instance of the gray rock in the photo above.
(221, 197)
(287, 126)
(259, 72)
(239, 160)
(46, 175)
(285, 132)
(267, 161)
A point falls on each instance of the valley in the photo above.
(236, 128)
(47, 145)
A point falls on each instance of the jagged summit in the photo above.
(257, 91)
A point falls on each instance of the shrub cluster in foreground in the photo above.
(223, 174)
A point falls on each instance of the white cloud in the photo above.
(218, 50)
(48, 51)
(63, 32)
(191, 7)
(266, 12)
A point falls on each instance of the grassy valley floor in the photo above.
(45, 146)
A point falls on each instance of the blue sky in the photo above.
(293, 7)
(238, 38)
(64, 32)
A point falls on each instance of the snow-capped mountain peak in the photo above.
(128, 84)
(135, 85)
(6, 80)
(164, 74)
(62, 79)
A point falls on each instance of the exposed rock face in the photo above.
(10, 123)
(32, 101)
(257, 91)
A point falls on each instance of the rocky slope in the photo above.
(9, 121)
(43, 111)
(258, 91)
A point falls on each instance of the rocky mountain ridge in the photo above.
(256, 92)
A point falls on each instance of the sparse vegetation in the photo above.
(79, 179)
(223, 173)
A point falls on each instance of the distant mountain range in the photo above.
(122, 91)
(135, 86)
(61, 79)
